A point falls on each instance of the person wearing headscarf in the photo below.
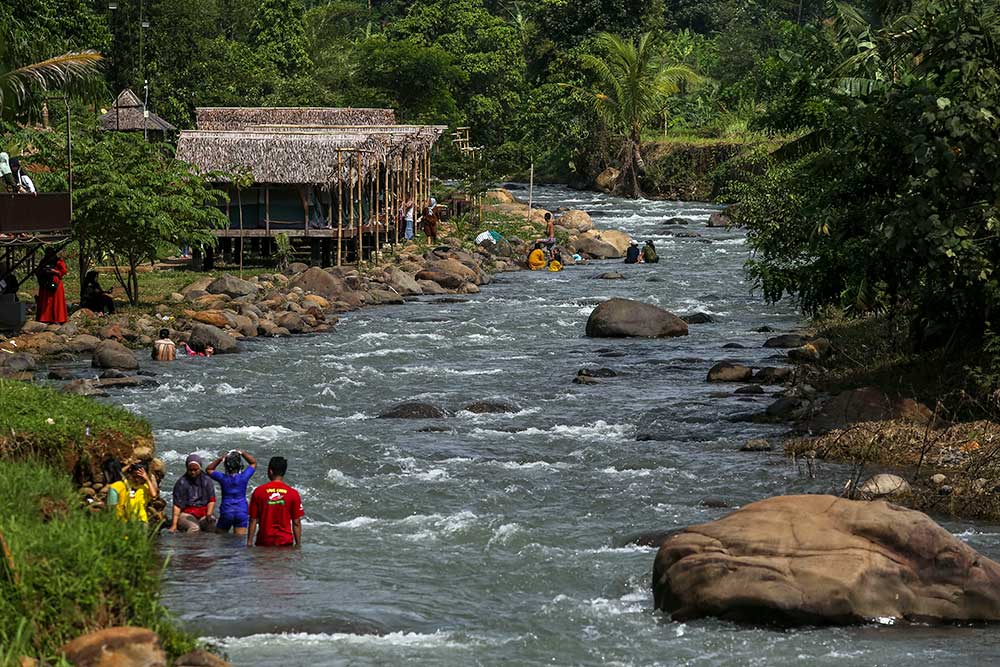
(649, 255)
(536, 260)
(94, 298)
(431, 220)
(193, 499)
(632, 254)
(51, 299)
(6, 173)
(21, 178)
(233, 512)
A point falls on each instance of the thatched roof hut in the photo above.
(289, 154)
(236, 118)
(127, 115)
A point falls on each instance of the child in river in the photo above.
(234, 512)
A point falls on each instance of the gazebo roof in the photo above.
(126, 115)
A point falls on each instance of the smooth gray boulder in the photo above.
(112, 354)
(203, 335)
(625, 318)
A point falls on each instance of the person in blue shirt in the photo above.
(234, 512)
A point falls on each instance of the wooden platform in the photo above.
(298, 233)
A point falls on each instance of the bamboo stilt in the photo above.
(340, 207)
(361, 211)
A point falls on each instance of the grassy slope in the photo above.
(68, 571)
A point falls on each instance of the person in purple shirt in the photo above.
(234, 512)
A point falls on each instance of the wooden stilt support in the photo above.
(340, 208)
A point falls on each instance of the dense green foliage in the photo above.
(69, 571)
(894, 203)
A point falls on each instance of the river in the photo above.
(495, 539)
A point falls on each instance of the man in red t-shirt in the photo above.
(277, 509)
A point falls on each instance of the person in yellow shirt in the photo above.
(132, 492)
(536, 260)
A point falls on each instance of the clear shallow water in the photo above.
(494, 540)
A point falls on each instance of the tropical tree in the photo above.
(632, 88)
(17, 84)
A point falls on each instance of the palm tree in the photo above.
(16, 84)
(632, 89)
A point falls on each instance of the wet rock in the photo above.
(203, 335)
(598, 372)
(750, 389)
(82, 388)
(326, 284)
(232, 286)
(772, 375)
(293, 322)
(727, 371)
(815, 559)
(684, 235)
(112, 354)
(613, 355)
(714, 503)
(719, 220)
(786, 409)
(431, 287)
(764, 329)
(403, 282)
(593, 248)
(381, 296)
(849, 407)
(446, 280)
(653, 538)
(19, 362)
(786, 340)
(490, 408)
(62, 374)
(127, 382)
(200, 658)
(111, 373)
(676, 221)
(758, 445)
(617, 318)
(698, 318)
(413, 410)
(733, 346)
(116, 647)
(585, 379)
(82, 343)
(610, 275)
(883, 485)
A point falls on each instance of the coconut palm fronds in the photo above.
(17, 84)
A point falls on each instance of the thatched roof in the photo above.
(289, 155)
(126, 115)
(236, 118)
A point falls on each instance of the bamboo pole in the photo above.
(386, 197)
(361, 211)
(375, 208)
(531, 190)
(340, 206)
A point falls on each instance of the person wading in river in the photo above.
(277, 509)
(194, 499)
(233, 512)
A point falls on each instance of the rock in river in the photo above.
(232, 286)
(820, 559)
(203, 335)
(413, 410)
(727, 371)
(622, 318)
(490, 408)
(112, 354)
(122, 646)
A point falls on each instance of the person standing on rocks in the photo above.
(164, 349)
(430, 221)
(276, 509)
(194, 499)
(550, 232)
(234, 512)
(51, 299)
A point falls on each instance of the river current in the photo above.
(497, 539)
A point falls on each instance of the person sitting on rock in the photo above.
(536, 259)
(649, 255)
(234, 512)
(556, 263)
(632, 254)
(164, 349)
(131, 492)
(194, 499)
(93, 296)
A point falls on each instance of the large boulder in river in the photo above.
(402, 282)
(232, 286)
(727, 371)
(413, 410)
(607, 180)
(576, 221)
(203, 335)
(624, 318)
(786, 341)
(820, 559)
(318, 281)
(112, 354)
(619, 240)
(594, 248)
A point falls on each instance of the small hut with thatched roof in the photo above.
(324, 174)
(128, 114)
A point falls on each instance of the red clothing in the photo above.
(52, 303)
(275, 505)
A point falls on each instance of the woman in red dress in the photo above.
(51, 298)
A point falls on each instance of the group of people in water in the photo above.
(271, 518)
(546, 254)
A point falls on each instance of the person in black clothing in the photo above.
(649, 255)
(94, 297)
(632, 254)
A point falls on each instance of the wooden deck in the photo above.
(300, 233)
